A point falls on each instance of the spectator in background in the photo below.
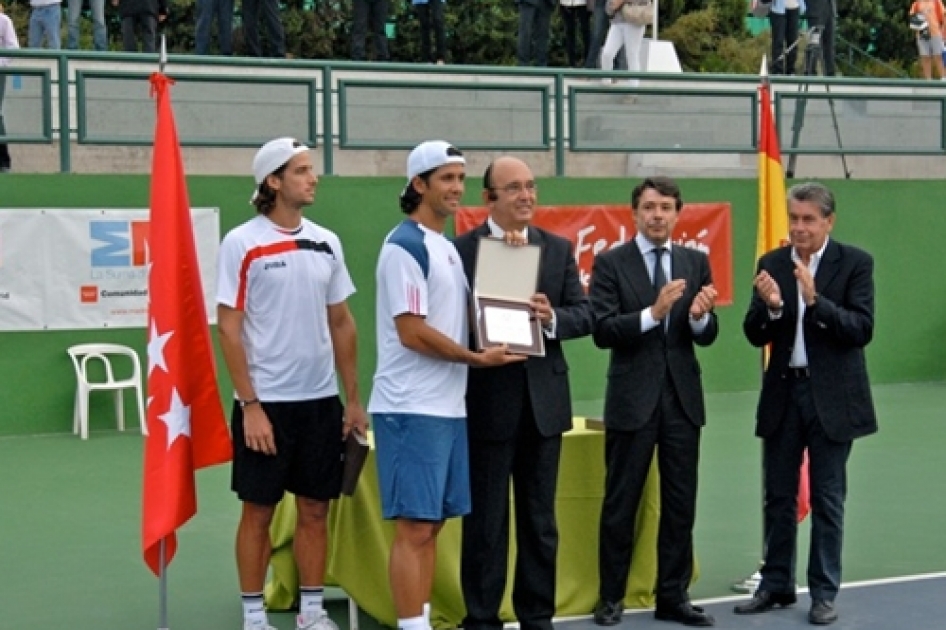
(99, 30)
(599, 30)
(45, 24)
(822, 14)
(373, 14)
(207, 10)
(535, 18)
(783, 19)
(622, 34)
(576, 15)
(929, 41)
(140, 23)
(430, 12)
(272, 21)
(8, 41)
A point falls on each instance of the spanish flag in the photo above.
(773, 226)
(773, 210)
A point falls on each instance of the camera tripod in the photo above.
(814, 55)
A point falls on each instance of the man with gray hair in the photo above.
(814, 303)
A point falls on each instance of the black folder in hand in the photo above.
(356, 452)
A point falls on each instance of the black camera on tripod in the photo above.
(920, 25)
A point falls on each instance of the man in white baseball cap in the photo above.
(420, 381)
(287, 337)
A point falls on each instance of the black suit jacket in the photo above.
(494, 395)
(836, 330)
(621, 288)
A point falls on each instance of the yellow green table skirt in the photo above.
(360, 541)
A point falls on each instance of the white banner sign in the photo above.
(84, 269)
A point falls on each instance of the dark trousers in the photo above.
(272, 22)
(532, 461)
(600, 22)
(821, 13)
(207, 11)
(142, 27)
(628, 456)
(4, 151)
(533, 43)
(575, 19)
(373, 14)
(827, 470)
(784, 36)
(431, 15)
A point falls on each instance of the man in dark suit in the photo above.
(535, 22)
(516, 415)
(814, 303)
(652, 302)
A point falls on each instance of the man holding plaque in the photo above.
(653, 301)
(417, 400)
(516, 415)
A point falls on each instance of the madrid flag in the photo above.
(773, 226)
(186, 425)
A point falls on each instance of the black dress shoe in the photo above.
(608, 613)
(822, 613)
(764, 601)
(685, 613)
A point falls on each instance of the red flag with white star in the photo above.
(186, 425)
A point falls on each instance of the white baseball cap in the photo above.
(272, 156)
(432, 154)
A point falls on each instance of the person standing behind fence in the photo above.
(577, 16)
(272, 21)
(8, 41)
(535, 20)
(823, 14)
(373, 14)
(784, 16)
(99, 30)
(929, 41)
(622, 33)
(430, 13)
(45, 24)
(207, 10)
(140, 23)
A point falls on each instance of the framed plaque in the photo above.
(506, 277)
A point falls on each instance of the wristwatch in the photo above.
(246, 403)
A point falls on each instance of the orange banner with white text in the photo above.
(593, 229)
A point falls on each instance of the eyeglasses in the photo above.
(516, 188)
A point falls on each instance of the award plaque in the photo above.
(506, 277)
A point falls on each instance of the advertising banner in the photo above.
(594, 229)
(86, 269)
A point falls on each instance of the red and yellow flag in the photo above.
(773, 211)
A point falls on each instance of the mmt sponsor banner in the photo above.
(594, 229)
(77, 269)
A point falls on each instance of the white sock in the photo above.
(254, 611)
(427, 613)
(310, 600)
(414, 623)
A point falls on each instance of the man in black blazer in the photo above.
(814, 303)
(516, 415)
(652, 302)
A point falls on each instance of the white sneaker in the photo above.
(320, 621)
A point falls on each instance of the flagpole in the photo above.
(162, 559)
(162, 584)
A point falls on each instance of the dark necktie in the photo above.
(659, 278)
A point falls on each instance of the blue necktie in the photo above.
(659, 278)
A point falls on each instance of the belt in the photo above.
(799, 372)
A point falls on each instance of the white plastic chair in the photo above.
(85, 353)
